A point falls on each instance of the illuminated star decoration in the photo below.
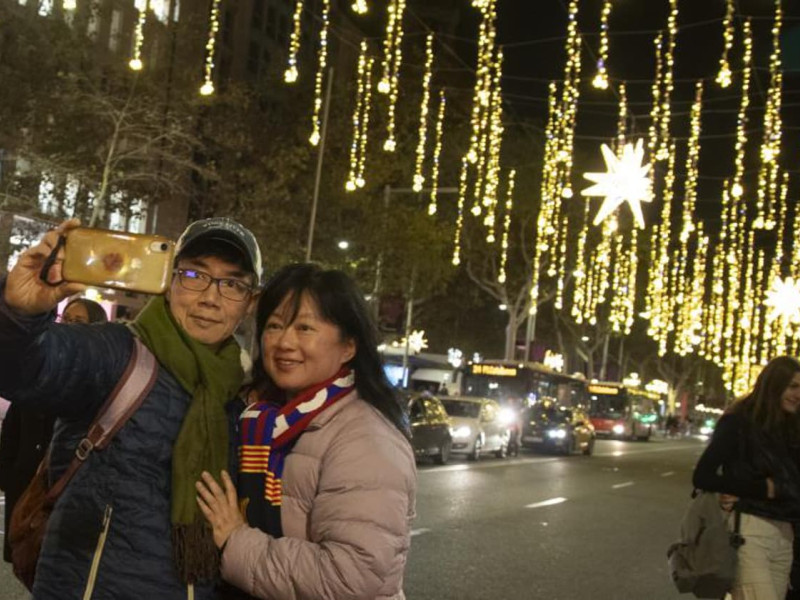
(626, 180)
(783, 300)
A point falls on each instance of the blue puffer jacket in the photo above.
(110, 530)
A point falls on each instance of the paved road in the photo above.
(555, 528)
(541, 527)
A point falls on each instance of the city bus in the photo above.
(622, 412)
(521, 383)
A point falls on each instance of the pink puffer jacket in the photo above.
(349, 488)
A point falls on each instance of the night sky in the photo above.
(532, 33)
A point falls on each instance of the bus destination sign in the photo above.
(495, 370)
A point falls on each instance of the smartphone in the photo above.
(119, 260)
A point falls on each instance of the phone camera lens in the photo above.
(164, 247)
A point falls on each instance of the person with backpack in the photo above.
(751, 461)
(127, 525)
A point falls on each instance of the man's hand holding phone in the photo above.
(25, 291)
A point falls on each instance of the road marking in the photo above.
(514, 462)
(621, 485)
(419, 531)
(668, 473)
(550, 502)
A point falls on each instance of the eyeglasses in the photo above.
(198, 281)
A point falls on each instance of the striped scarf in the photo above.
(267, 433)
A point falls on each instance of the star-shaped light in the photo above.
(626, 180)
(783, 300)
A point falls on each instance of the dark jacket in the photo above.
(24, 440)
(69, 370)
(738, 461)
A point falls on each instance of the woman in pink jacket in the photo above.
(327, 480)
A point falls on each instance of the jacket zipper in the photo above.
(98, 553)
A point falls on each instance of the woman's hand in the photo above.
(726, 501)
(220, 507)
(25, 292)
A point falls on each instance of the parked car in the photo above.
(430, 428)
(477, 426)
(556, 428)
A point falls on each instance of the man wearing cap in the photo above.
(128, 525)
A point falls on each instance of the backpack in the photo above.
(33, 509)
(704, 560)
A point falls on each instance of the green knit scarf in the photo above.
(212, 378)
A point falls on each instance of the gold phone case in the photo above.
(119, 260)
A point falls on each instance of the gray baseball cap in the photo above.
(227, 230)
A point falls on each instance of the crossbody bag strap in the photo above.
(135, 383)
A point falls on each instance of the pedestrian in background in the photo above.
(752, 462)
(327, 476)
(26, 432)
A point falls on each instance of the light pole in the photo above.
(320, 155)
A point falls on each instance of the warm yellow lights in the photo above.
(358, 147)
(360, 7)
(437, 152)
(626, 180)
(291, 73)
(462, 198)
(419, 177)
(135, 63)
(213, 27)
(392, 59)
(501, 277)
(70, 4)
(600, 80)
(724, 77)
(322, 67)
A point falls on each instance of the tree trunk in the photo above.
(511, 336)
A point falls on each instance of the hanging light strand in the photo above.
(358, 115)
(213, 27)
(737, 189)
(419, 176)
(291, 73)
(501, 278)
(655, 110)
(322, 68)
(724, 77)
(665, 134)
(462, 198)
(600, 80)
(769, 176)
(138, 35)
(393, 58)
(437, 153)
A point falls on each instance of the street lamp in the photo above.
(343, 245)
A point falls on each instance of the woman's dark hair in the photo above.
(762, 406)
(95, 312)
(340, 302)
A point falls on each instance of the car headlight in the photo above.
(557, 434)
(460, 432)
(506, 416)
(618, 429)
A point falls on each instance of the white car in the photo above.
(477, 426)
